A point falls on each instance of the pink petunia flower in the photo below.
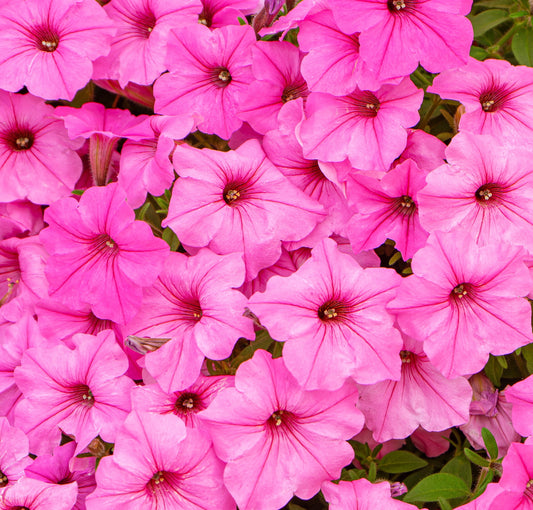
(96, 245)
(332, 313)
(238, 202)
(194, 304)
(158, 463)
(49, 45)
(209, 74)
(368, 127)
(387, 209)
(277, 438)
(103, 127)
(14, 449)
(80, 392)
(486, 188)
(490, 409)
(20, 219)
(520, 396)
(138, 49)
(426, 150)
(33, 494)
(422, 397)
(362, 495)
(463, 302)
(276, 67)
(497, 97)
(185, 404)
(56, 469)
(34, 149)
(219, 13)
(397, 35)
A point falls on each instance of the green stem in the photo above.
(434, 105)
(505, 37)
(420, 76)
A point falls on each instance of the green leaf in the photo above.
(478, 53)
(78, 192)
(522, 46)
(476, 459)
(527, 354)
(490, 443)
(444, 505)
(171, 239)
(372, 472)
(461, 467)
(494, 371)
(486, 20)
(502, 361)
(400, 461)
(436, 487)
(349, 475)
(242, 21)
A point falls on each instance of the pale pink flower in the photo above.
(138, 49)
(14, 449)
(276, 68)
(368, 127)
(277, 438)
(33, 494)
(185, 404)
(238, 201)
(485, 188)
(96, 245)
(159, 464)
(362, 495)
(49, 45)
(331, 313)
(386, 209)
(80, 392)
(464, 302)
(497, 97)
(56, 469)
(397, 35)
(431, 444)
(193, 303)
(209, 74)
(489, 409)
(422, 397)
(37, 160)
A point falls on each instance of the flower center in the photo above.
(144, 23)
(45, 38)
(294, 91)
(365, 104)
(206, 16)
(18, 139)
(82, 394)
(406, 356)
(281, 420)
(398, 6)
(461, 292)
(189, 309)
(105, 245)
(188, 403)
(489, 194)
(333, 311)
(221, 77)
(157, 480)
(233, 193)
(3, 479)
(494, 99)
(405, 205)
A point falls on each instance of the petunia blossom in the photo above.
(397, 35)
(238, 201)
(97, 245)
(368, 127)
(49, 45)
(193, 303)
(331, 313)
(464, 302)
(362, 495)
(520, 396)
(497, 96)
(20, 219)
(158, 463)
(37, 159)
(80, 392)
(33, 494)
(209, 74)
(14, 449)
(277, 438)
(486, 187)
(422, 397)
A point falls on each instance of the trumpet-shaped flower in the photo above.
(49, 45)
(14, 449)
(96, 245)
(277, 438)
(464, 302)
(332, 313)
(80, 392)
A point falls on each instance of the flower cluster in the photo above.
(237, 265)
